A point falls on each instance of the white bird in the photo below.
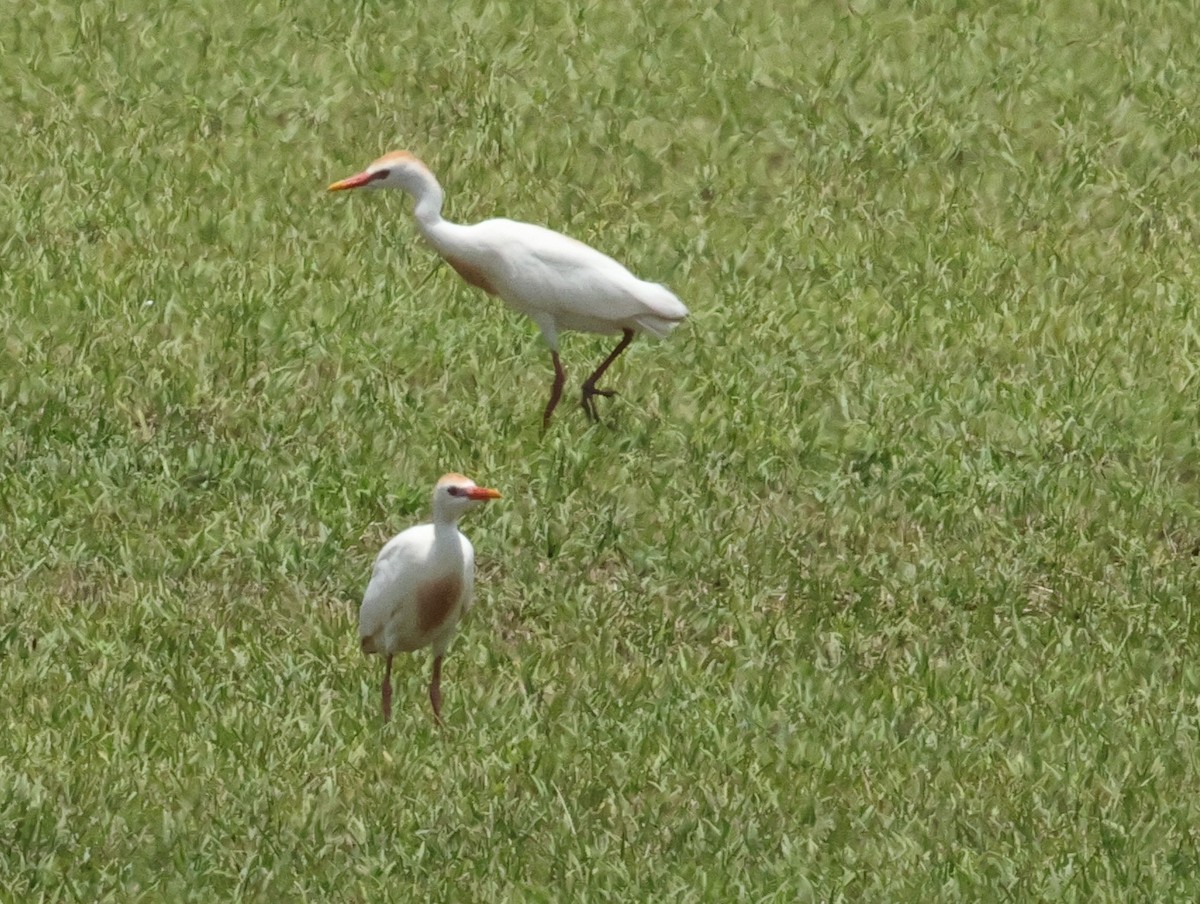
(560, 283)
(421, 586)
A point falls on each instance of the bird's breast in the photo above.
(436, 601)
(473, 274)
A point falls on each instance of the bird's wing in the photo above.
(468, 573)
(554, 272)
(390, 585)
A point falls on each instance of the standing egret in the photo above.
(422, 585)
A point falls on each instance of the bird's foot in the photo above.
(589, 403)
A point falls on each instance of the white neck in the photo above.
(427, 196)
(446, 513)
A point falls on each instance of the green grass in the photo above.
(877, 584)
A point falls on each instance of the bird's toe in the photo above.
(589, 399)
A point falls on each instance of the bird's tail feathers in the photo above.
(666, 310)
(657, 327)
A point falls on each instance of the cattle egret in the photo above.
(560, 283)
(422, 585)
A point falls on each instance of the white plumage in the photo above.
(560, 283)
(422, 585)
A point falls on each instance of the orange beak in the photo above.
(483, 493)
(351, 182)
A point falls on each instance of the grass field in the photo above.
(877, 583)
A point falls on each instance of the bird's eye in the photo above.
(456, 491)
(379, 174)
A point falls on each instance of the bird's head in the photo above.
(399, 169)
(456, 495)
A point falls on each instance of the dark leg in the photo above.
(560, 377)
(589, 385)
(387, 691)
(435, 690)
